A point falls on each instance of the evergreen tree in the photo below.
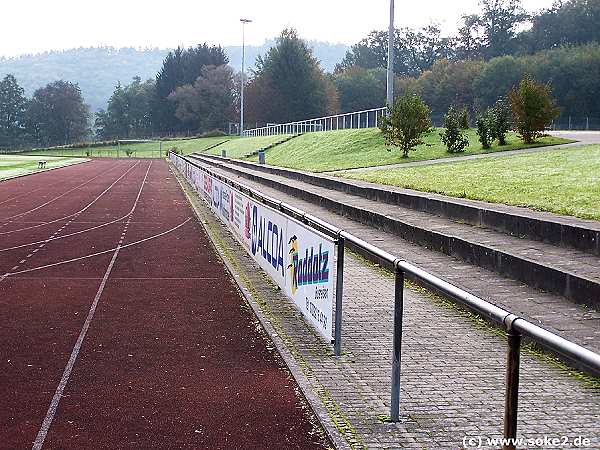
(12, 113)
(288, 83)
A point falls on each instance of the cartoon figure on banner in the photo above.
(293, 243)
(247, 222)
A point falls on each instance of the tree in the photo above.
(209, 103)
(533, 108)
(501, 123)
(360, 88)
(406, 123)
(288, 83)
(499, 20)
(485, 128)
(454, 140)
(57, 114)
(179, 68)
(12, 112)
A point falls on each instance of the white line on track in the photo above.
(56, 198)
(75, 214)
(22, 195)
(91, 255)
(41, 436)
(42, 433)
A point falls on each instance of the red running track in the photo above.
(121, 327)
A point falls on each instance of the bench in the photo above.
(42, 164)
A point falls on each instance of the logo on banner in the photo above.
(312, 269)
(267, 240)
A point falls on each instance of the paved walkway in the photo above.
(452, 369)
(559, 315)
(583, 138)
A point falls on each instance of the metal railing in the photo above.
(358, 119)
(515, 326)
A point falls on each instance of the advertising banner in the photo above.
(299, 259)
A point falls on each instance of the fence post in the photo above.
(569, 122)
(398, 311)
(587, 123)
(339, 293)
(511, 403)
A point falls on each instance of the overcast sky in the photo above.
(34, 26)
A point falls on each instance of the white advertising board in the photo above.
(299, 259)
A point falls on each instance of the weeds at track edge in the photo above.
(338, 418)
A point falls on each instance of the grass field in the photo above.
(11, 165)
(239, 148)
(348, 149)
(563, 181)
(139, 150)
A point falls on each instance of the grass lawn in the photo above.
(11, 165)
(563, 181)
(348, 149)
(239, 148)
(140, 150)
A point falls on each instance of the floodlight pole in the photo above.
(390, 58)
(244, 22)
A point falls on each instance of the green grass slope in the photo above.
(563, 181)
(240, 148)
(348, 149)
(139, 150)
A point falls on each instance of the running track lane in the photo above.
(172, 357)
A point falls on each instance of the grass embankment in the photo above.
(563, 181)
(152, 149)
(12, 166)
(349, 149)
(243, 147)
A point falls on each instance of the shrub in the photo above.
(501, 120)
(175, 150)
(405, 123)
(129, 152)
(214, 133)
(533, 108)
(464, 119)
(452, 137)
(485, 128)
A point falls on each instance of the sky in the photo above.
(35, 26)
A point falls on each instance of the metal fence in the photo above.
(515, 326)
(577, 123)
(359, 119)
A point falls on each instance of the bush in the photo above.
(452, 137)
(405, 123)
(175, 150)
(501, 120)
(485, 128)
(129, 152)
(214, 133)
(533, 108)
(464, 119)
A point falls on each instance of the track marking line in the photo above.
(50, 414)
(55, 198)
(76, 214)
(43, 432)
(91, 255)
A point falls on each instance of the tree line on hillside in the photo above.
(196, 90)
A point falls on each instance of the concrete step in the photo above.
(562, 231)
(564, 271)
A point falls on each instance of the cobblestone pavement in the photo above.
(452, 365)
(574, 322)
(583, 138)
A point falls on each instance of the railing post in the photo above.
(396, 358)
(339, 293)
(511, 403)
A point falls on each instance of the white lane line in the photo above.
(41, 436)
(76, 214)
(56, 198)
(91, 255)
(43, 432)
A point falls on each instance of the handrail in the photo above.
(512, 323)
